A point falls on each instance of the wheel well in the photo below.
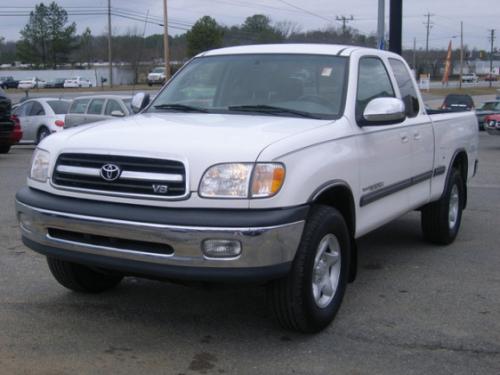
(461, 163)
(340, 197)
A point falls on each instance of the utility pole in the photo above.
(461, 53)
(344, 21)
(110, 56)
(381, 24)
(492, 40)
(415, 55)
(165, 40)
(428, 25)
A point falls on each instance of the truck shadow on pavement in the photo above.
(212, 307)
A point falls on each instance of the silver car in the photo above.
(88, 109)
(40, 117)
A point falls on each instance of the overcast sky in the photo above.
(478, 16)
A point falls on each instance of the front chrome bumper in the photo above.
(263, 246)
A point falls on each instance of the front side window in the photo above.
(273, 84)
(406, 87)
(373, 82)
(23, 110)
(95, 107)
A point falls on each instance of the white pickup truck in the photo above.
(253, 163)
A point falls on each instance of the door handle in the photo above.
(417, 136)
(404, 138)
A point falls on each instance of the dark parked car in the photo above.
(8, 83)
(458, 102)
(6, 123)
(57, 83)
(488, 108)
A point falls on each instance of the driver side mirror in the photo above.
(384, 111)
(139, 102)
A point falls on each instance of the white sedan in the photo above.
(77, 82)
(41, 117)
(31, 83)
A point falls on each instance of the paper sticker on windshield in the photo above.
(327, 71)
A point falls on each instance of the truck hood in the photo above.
(200, 140)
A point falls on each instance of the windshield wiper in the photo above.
(269, 109)
(180, 107)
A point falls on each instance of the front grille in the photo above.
(105, 241)
(136, 176)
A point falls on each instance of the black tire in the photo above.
(80, 278)
(292, 299)
(42, 133)
(4, 149)
(436, 218)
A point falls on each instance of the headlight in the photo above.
(226, 181)
(242, 180)
(40, 165)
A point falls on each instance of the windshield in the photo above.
(273, 84)
(158, 70)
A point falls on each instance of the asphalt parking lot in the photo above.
(414, 309)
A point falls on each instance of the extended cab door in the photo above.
(420, 132)
(384, 152)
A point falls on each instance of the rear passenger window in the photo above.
(373, 82)
(37, 109)
(112, 105)
(95, 107)
(405, 83)
(79, 106)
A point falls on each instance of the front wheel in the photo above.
(441, 219)
(308, 299)
(80, 278)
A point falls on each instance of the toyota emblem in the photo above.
(110, 172)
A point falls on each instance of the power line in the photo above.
(306, 11)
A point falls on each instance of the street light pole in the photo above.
(165, 40)
(110, 56)
(381, 24)
(461, 53)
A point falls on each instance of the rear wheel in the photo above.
(441, 219)
(42, 133)
(4, 149)
(81, 278)
(308, 299)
